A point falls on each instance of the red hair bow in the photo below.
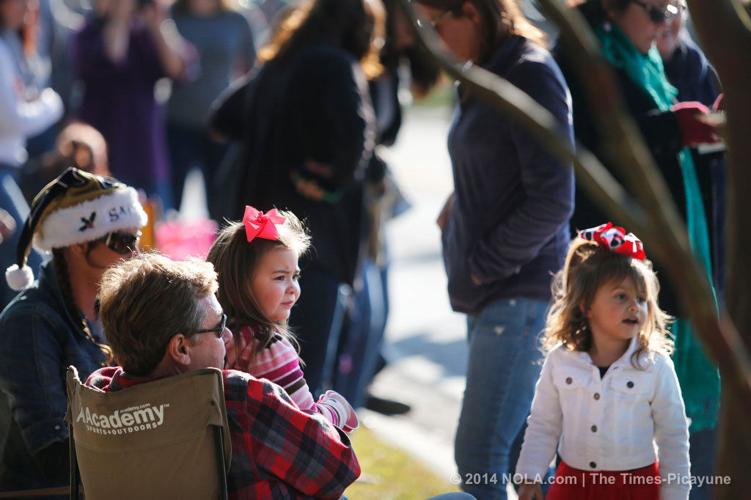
(262, 225)
(616, 240)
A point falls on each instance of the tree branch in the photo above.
(654, 216)
(627, 152)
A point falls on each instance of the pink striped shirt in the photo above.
(280, 363)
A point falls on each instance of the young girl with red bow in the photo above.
(608, 391)
(256, 261)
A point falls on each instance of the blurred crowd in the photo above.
(286, 105)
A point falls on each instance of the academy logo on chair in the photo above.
(133, 419)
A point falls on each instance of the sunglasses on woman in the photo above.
(658, 15)
(122, 243)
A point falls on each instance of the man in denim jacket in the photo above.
(88, 223)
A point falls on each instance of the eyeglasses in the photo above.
(122, 243)
(218, 330)
(435, 21)
(658, 15)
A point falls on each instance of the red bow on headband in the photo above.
(262, 225)
(616, 240)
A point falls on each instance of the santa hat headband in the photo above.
(76, 207)
(615, 239)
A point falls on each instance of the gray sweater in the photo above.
(224, 43)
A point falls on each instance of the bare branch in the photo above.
(722, 24)
(626, 151)
(519, 107)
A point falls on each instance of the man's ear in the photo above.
(179, 348)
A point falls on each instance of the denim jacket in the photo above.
(610, 423)
(38, 340)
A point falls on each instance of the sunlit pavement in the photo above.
(425, 340)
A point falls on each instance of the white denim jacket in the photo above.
(612, 423)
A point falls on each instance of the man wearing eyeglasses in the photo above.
(88, 223)
(278, 451)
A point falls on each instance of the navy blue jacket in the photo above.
(39, 339)
(512, 199)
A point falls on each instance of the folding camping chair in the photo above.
(168, 438)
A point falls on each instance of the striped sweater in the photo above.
(279, 362)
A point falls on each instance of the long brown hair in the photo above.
(501, 19)
(235, 261)
(356, 26)
(63, 282)
(588, 267)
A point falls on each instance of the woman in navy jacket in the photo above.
(505, 229)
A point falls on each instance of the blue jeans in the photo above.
(504, 363)
(192, 147)
(364, 335)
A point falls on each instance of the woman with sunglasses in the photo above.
(628, 31)
(88, 223)
(504, 230)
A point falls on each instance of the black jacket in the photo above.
(659, 130)
(312, 105)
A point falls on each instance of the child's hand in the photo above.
(340, 406)
(530, 491)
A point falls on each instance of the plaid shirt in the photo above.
(278, 452)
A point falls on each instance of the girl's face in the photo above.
(275, 283)
(462, 34)
(618, 312)
(637, 24)
(13, 13)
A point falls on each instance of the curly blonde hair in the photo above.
(588, 267)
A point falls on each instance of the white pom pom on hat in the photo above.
(19, 278)
(75, 208)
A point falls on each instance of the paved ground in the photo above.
(425, 339)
